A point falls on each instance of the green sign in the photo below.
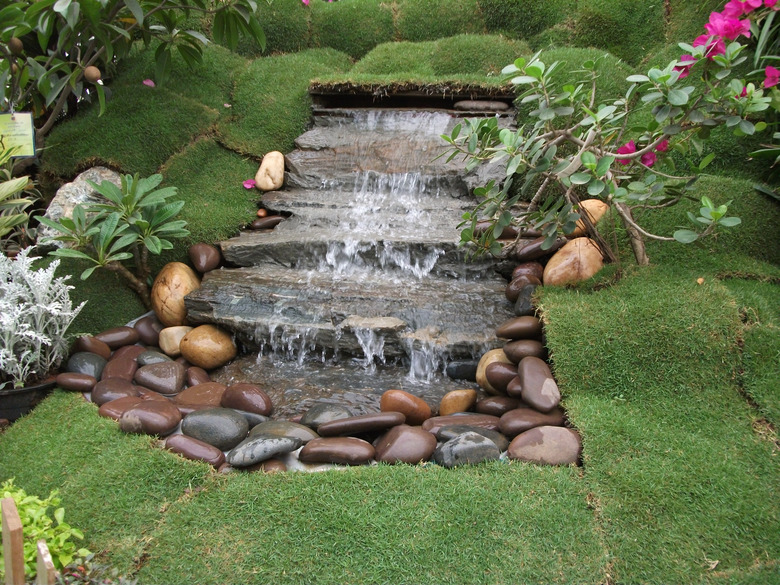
(17, 130)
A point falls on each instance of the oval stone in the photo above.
(521, 420)
(578, 260)
(118, 336)
(497, 405)
(485, 421)
(122, 367)
(147, 394)
(499, 374)
(494, 355)
(595, 208)
(514, 388)
(533, 250)
(151, 417)
(255, 449)
(195, 450)
(208, 394)
(457, 401)
(116, 408)
(85, 362)
(340, 450)
(539, 389)
(463, 370)
(466, 449)
(528, 269)
(516, 286)
(365, 423)
(205, 257)
(148, 329)
(165, 377)
(170, 339)
(174, 282)
(128, 352)
(524, 306)
(447, 433)
(223, 428)
(111, 389)
(519, 348)
(265, 223)
(272, 466)
(92, 345)
(248, 397)
(322, 412)
(151, 357)
(405, 444)
(208, 347)
(414, 408)
(75, 382)
(196, 375)
(284, 428)
(252, 418)
(270, 175)
(526, 327)
(547, 445)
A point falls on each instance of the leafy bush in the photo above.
(38, 524)
(353, 27)
(35, 313)
(425, 20)
(523, 18)
(14, 199)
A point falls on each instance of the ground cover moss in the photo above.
(524, 18)
(686, 20)
(141, 128)
(271, 106)
(353, 27)
(475, 54)
(286, 27)
(426, 20)
(397, 59)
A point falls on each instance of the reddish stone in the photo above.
(528, 269)
(148, 329)
(499, 374)
(526, 327)
(539, 389)
(209, 394)
(76, 382)
(515, 287)
(518, 349)
(195, 450)
(128, 352)
(520, 420)
(118, 336)
(93, 345)
(248, 397)
(111, 389)
(485, 421)
(151, 417)
(497, 405)
(116, 408)
(122, 367)
(356, 425)
(205, 257)
(547, 445)
(196, 375)
(340, 450)
(405, 444)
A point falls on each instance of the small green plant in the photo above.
(136, 219)
(15, 199)
(37, 523)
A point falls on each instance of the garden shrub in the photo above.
(140, 129)
(477, 54)
(401, 58)
(286, 27)
(353, 27)
(626, 28)
(424, 20)
(524, 18)
(271, 107)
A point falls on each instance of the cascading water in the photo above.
(366, 273)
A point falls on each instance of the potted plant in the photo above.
(35, 313)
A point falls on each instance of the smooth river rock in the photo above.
(578, 260)
(525, 306)
(111, 389)
(357, 425)
(165, 377)
(485, 421)
(85, 362)
(463, 370)
(521, 420)
(118, 336)
(123, 366)
(466, 449)
(533, 250)
(413, 407)
(547, 445)
(148, 329)
(457, 401)
(248, 397)
(170, 339)
(116, 408)
(75, 382)
(174, 282)
(205, 257)
(196, 375)
(340, 450)
(284, 428)
(539, 389)
(489, 357)
(258, 448)
(322, 412)
(223, 428)
(516, 286)
(195, 450)
(208, 347)
(151, 357)
(91, 344)
(595, 208)
(208, 394)
(526, 327)
(270, 175)
(447, 433)
(534, 269)
(405, 444)
(151, 417)
(500, 374)
(497, 405)
(519, 348)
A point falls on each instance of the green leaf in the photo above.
(580, 178)
(135, 10)
(637, 78)
(589, 160)
(603, 166)
(729, 221)
(706, 161)
(677, 97)
(71, 253)
(596, 188)
(685, 236)
(747, 127)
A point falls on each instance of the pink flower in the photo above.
(736, 8)
(627, 148)
(715, 45)
(648, 159)
(662, 146)
(771, 4)
(249, 184)
(685, 62)
(772, 76)
(306, 2)
(148, 83)
(728, 28)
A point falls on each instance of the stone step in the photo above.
(366, 313)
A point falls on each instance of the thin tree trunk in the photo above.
(138, 286)
(635, 238)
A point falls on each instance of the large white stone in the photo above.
(270, 175)
(578, 260)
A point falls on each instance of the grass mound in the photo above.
(353, 27)
(426, 20)
(524, 18)
(271, 106)
(286, 27)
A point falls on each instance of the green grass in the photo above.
(686, 19)
(524, 18)
(141, 128)
(397, 59)
(426, 20)
(286, 27)
(475, 54)
(271, 106)
(353, 27)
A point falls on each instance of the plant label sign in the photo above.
(17, 132)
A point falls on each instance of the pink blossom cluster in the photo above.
(649, 158)
(726, 25)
